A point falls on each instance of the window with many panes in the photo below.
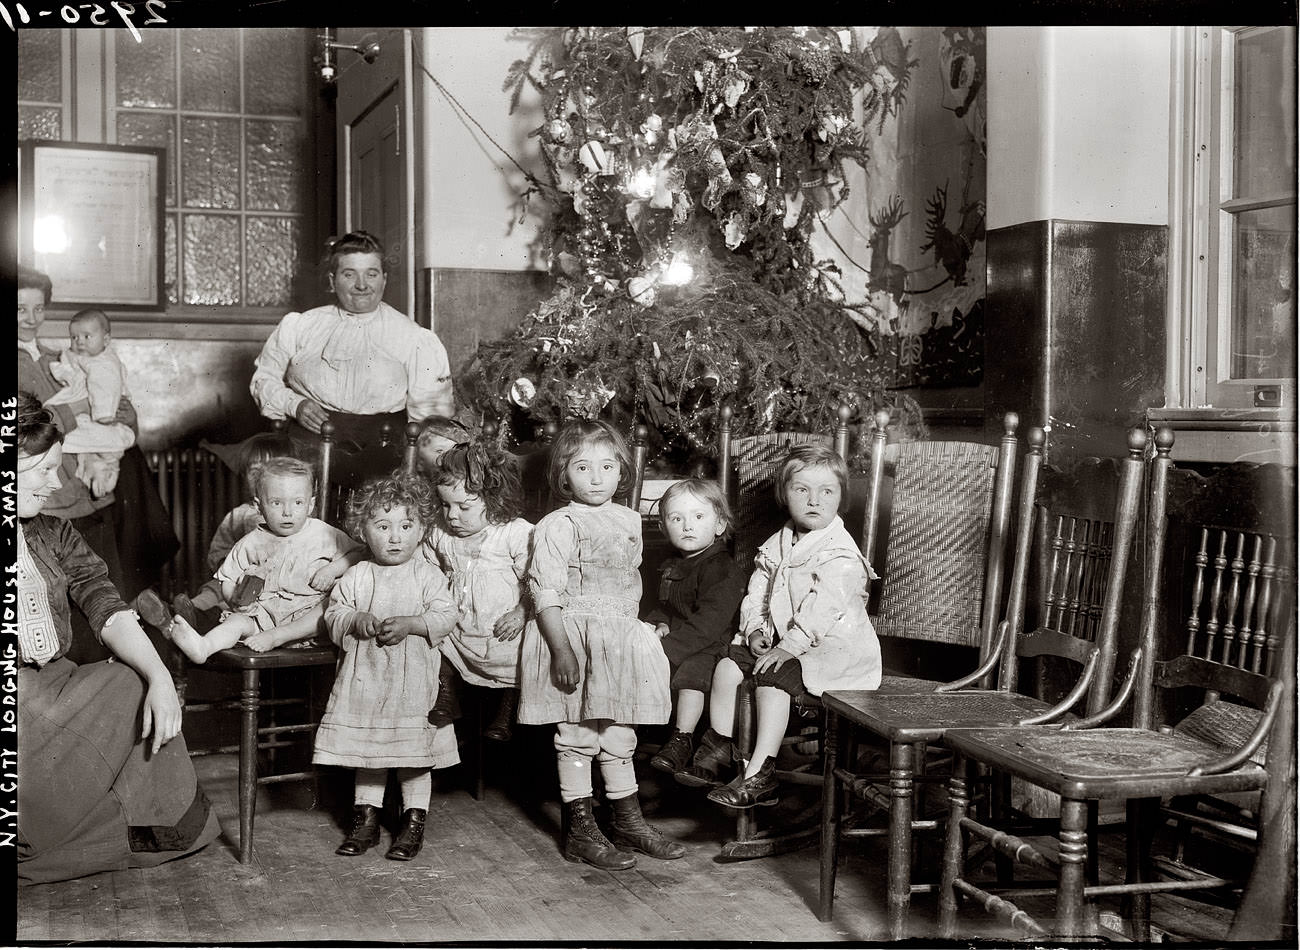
(233, 109)
(1234, 219)
(42, 84)
(230, 105)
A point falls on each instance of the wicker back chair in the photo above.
(937, 520)
(747, 471)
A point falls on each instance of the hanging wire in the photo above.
(459, 107)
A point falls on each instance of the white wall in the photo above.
(1078, 121)
(468, 187)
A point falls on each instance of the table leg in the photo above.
(830, 848)
(901, 787)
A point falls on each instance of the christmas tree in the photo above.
(687, 167)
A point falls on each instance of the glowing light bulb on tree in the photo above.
(641, 183)
(679, 271)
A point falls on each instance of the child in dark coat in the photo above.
(699, 596)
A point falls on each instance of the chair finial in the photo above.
(327, 431)
(1138, 439)
(881, 418)
(1010, 422)
(1037, 438)
(1164, 440)
(844, 412)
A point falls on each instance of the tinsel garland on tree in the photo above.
(687, 167)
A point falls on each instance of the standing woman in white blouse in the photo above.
(357, 363)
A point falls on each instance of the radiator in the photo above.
(198, 489)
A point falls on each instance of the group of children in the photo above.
(456, 584)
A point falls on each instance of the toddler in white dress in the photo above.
(387, 616)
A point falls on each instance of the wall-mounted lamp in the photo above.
(367, 49)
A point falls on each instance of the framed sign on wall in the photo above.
(91, 217)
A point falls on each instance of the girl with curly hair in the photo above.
(387, 616)
(482, 546)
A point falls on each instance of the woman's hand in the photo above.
(772, 660)
(760, 642)
(365, 626)
(311, 415)
(162, 714)
(510, 624)
(662, 630)
(564, 669)
(396, 629)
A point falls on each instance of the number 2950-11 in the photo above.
(95, 14)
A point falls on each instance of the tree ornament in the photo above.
(734, 230)
(593, 157)
(558, 131)
(642, 290)
(523, 392)
(636, 39)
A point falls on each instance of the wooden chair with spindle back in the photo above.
(1090, 515)
(259, 699)
(1219, 606)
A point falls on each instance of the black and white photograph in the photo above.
(757, 484)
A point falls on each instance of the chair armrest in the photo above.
(1232, 761)
(1116, 704)
(1068, 703)
(992, 660)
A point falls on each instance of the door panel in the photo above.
(376, 187)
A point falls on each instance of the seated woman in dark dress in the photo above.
(104, 779)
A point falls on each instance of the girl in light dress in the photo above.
(588, 663)
(387, 616)
(803, 627)
(482, 547)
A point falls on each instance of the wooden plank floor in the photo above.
(490, 870)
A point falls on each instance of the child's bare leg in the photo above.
(198, 646)
(301, 627)
(772, 707)
(690, 707)
(727, 678)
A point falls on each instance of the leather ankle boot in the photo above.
(715, 755)
(445, 709)
(365, 831)
(409, 837)
(499, 729)
(584, 841)
(631, 831)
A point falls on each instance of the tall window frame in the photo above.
(1205, 257)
